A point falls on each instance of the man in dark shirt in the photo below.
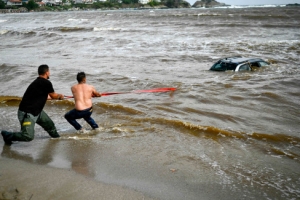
(31, 109)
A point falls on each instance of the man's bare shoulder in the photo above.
(74, 86)
(82, 87)
(89, 87)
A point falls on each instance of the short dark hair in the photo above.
(43, 69)
(80, 76)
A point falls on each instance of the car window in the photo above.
(262, 63)
(255, 64)
(217, 66)
(231, 66)
(245, 67)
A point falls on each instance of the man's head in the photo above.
(44, 71)
(81, 77)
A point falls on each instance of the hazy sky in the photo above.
(252, 2)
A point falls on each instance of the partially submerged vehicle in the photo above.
(238, 63)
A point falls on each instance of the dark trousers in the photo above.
(74, 114)
(28, 121)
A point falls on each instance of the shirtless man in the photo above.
(83, 94)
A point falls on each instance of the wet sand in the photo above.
(22, 180)
(39, 170)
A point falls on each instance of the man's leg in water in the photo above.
(89, 119)
(45, 121)
(27, 122)
(71, 117)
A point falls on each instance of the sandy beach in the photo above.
(67, 168)
(22, 180)
(41, 169)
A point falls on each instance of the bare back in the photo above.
(83, 94)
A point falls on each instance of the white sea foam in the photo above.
(79, 20)
(2, 32)
(106, 29)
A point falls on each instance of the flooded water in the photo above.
(237, 134)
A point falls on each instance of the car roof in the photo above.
(239, 59)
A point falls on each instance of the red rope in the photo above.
(135, 91)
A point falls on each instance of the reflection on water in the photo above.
(238, 132)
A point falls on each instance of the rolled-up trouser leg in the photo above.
(48, 125)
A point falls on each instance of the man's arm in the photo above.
(95, 93)
(54, 95)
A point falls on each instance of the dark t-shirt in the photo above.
(35, 96)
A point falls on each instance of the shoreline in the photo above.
(23, 180)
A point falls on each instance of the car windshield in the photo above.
(218, 67)
(222, 66)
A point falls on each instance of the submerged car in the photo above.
(238, 63)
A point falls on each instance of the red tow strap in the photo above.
(136, 91)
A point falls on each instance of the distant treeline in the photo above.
(295, 4)
(31, 5)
